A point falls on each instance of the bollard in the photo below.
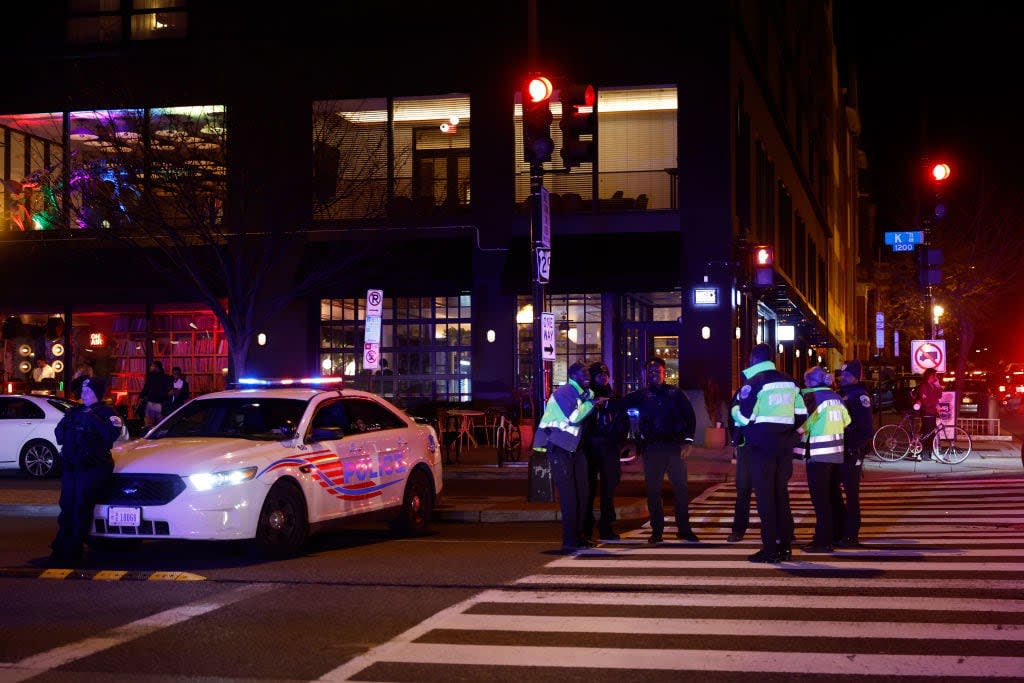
(540, 490)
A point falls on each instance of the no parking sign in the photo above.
(927, 353)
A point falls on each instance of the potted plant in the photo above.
(715, 434)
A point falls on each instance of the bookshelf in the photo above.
(191, 340)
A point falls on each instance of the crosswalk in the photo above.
(937, 592)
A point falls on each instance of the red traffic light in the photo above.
(940, 172)
(539, 88)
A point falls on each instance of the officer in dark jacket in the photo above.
(603, 436)
(86, 434)
(667, 423)
(856, 444)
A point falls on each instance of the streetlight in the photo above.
(937, 311)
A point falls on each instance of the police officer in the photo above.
(744, 483)
(768, 411)
(567, 408)
(86, 434)
(666, 426)
(821, 444)
(856, 443)
(603, 436)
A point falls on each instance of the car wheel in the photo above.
(283, 525)
(417, 505)
(39, 459)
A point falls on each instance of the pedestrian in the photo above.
(768, 413)
(744, 482)
(567, 409)
(821, 445)
(666, 425)
(929, 392)
(156, 393)
(856, 442)
(180, 392)
(82, 371)
(86, 434)
(603, 436)
(43, 370)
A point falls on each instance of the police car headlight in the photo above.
(205, 481)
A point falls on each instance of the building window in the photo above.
(425, 347)
(108, 21)
(636, 151)
(577, 334)
(175, 157)
(405, 158)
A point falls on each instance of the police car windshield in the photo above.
(247, 417)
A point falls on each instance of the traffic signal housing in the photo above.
(579, 119)
(939, 177)
(537, 118)
(763, 265)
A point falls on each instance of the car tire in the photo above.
(417, 506)
(40, 459)
(283, 524)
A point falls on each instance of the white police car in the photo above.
(270, 462)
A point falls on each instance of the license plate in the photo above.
(124, 516)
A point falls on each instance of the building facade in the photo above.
(315, 156)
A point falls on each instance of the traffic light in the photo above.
(929, 270)
(537, 142)
(578, 119)
(939, 176)
(763, 262)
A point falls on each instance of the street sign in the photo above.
(372, 335)
(879, 330)
(912, 237)
(371, 356)
(547, 336)
(374, 302)
(927, 353)
(543, 264)
(545, 218)
(903, 247)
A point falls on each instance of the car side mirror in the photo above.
(326, 434)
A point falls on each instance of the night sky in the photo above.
(942, 80)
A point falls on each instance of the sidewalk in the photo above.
(477, 490)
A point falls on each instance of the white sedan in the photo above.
(26, 433)
(271, 464)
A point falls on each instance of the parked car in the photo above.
(973, 398)
(271, 464)
(27, 441)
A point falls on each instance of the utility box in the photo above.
(541, 490)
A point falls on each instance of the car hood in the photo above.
(185, 456)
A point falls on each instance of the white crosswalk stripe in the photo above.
(936, 591)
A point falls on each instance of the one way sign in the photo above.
(547, 336)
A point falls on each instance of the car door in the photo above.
(389, 463)
(19, 418)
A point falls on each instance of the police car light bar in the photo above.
(255, 381)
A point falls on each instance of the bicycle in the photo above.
(893, 442)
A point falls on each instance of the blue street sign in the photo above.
(903, 247)
(915, 237)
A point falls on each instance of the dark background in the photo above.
(943, 81)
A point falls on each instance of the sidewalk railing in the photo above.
(982, 428)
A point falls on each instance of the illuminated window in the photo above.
(105, 21)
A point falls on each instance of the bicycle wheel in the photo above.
(891, 443)
(951, 445)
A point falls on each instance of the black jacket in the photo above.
(87, 433)
(666, 414)
(862, 424)
(608, 424)
(157, 388)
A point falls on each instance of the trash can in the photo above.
(541, 490)
(990, 408)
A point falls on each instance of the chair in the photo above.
(641, 202)
(450, 433)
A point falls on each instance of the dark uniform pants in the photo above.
(771, 470)
(821, 478)
(602, 463)
(744, 488)
(849, 478)
(80, 488)
(569, 473)
(659, 459)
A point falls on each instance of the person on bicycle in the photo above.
(929, 393)
(856, 443)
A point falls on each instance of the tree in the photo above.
(983, 248)
(158, 183)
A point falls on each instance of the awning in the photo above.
(791, 309)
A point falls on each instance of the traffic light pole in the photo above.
(539, 374)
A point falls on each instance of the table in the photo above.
(467, 422)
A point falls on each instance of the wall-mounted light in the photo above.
(739, 332)
(57, 350)
(797, 352)
(58, 366)
(782, 348)
(785, 333)
(705, 332)
(491, 336)
(261, 339)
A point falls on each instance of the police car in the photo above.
(270, 462)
